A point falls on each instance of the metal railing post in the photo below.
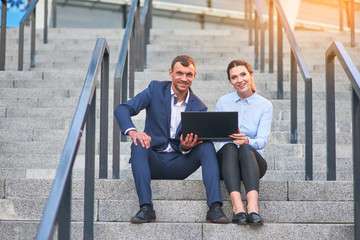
(124, 15)
(308, 130)
(124, 88)
(64, 215)
(3, 35)
(45, 21)
(116, 131)
(53, 13)
(33, 28)
(271, 36)
(352, 22)
(137, 33)
(104, 116)
(259, 27)
(280, 73)
(132, 62)
(246, 12)
(256, 29)
(330, 118)
(90, 170)
(356, 161)
(250, 24)
(293, 99)
(21, 47)
(262, 51)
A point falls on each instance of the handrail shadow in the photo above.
(58, 208)
(336, 49)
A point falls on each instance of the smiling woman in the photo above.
(242, 78)
(242, 159)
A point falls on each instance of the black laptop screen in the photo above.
(214, 126)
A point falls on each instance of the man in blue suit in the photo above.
(161, 152)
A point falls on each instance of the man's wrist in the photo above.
(184, 151)
(128, 130)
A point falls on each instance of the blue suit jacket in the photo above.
(156, 99)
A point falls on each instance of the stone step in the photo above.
(38, 123)
(282, 162)
(52, 75)
(177, 231)
(125, 173)
(23, 199)
(117, 189)
(67, 33)
(220, 86)
(194, 211)
(40, 92)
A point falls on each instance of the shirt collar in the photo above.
(247, 100)
(186, 99)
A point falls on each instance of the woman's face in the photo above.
(241, 79)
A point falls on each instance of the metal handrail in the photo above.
(58, 208)
(297, 61)
(259, 20)
(31, 10)
(3, 35)
(130, 59)
(336, 49)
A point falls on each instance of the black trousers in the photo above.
(243, 163)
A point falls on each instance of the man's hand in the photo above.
(239, 138)
(143, 138)
(189, 142)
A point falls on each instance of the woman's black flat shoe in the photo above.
(240, 218)
(254, 219)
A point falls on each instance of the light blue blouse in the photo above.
(255, 114)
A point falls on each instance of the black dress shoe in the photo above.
(240, 218)
(254, 219)
(216, 215)
(145, 214)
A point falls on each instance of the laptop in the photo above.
(213, 126)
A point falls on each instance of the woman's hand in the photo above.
(239, 138)
(143, 138)
(189, 142)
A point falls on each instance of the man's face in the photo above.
(182, 77)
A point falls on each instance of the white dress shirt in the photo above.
(254, 116)
(176, 109)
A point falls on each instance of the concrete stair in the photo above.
(287, 207)
(36, 109)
